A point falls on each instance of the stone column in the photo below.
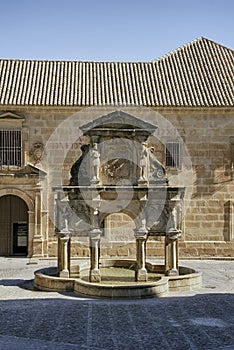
(64, 256)
(31, 232)
(141, 236)
(38, 240)
(171, 254)
(94, 275)
(59, 254)
(172, 235)
(141, 272)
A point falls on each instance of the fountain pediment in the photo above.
(118, 123)
(118, 152)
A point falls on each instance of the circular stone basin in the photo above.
(122, 276)
(118, 280)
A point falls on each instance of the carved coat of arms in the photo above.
(37, 152)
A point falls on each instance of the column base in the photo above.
(36, 256)
(172, 272)
(37, 247)
(141, 275)
(95, 275)
(64, 274)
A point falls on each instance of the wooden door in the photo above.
(13, 226)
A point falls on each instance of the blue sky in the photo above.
(110, 30)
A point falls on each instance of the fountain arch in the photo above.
(118, 227)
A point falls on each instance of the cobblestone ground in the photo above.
(190, 320)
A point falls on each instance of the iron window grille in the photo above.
(10, 147)
(173, 155)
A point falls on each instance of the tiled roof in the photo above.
(200, 73)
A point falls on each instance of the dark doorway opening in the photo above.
(20, 238)
(13, 226)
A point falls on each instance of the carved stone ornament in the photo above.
(37, 152)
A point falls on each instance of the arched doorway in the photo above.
(13, 226)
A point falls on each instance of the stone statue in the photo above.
(64, 214)
(95, 162)
(176, 216)
(143, 162)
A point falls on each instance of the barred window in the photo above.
(173, 154)
(10, 147)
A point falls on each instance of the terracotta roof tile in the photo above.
(200, 73)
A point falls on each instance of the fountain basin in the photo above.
(47, 280)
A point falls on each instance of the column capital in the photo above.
(95, 234)
(141, 233)
(141, 238)
(63, 238)
(173, 234)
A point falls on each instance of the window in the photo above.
(173, 154)
(10, 147)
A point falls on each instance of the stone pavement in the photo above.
(198, 320)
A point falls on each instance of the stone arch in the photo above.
(15, 192)
(118, 227)
(132, 210)
(31, 211)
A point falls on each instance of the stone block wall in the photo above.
(209, 219)
(209, 212)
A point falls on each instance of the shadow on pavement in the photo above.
(201, 322)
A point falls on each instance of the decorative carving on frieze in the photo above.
(174, 223)
(157, 170)
(157, 217)
(117, 169)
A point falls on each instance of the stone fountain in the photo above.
(118, 172)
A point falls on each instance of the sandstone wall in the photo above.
(209, 219)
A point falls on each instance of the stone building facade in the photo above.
(188, 95)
